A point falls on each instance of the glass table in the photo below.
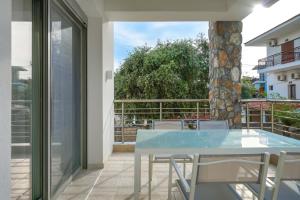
(207, 142)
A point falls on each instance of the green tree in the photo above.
(248, 89)
(170, 70)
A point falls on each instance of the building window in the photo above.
(293, 76)
(270, 87)
(292, 91)
(262, 77)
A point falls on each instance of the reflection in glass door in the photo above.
(65, 97)
(21, 105)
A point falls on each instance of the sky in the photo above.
(21, 47)
(128, 35)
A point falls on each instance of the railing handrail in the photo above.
(271, 100)
(159, 100)
(260, 113)
(270, 60)
(201, 100)
(187, 100)
(296, 50)
(21, 101)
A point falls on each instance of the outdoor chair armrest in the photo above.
(180, 175)
(182, 156)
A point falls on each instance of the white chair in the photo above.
(213, 124)
(211, 176)
(285, 185)
(166, 125)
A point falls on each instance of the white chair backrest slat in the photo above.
(248, 168)
(170, 125)
(231, 168)
(291, 168)
(206, 125)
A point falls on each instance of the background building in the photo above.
(279, 72)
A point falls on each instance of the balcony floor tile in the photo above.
(115, 182)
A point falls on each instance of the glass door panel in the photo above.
(65, 95)
(21, 105)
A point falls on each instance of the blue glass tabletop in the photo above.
(220, 140)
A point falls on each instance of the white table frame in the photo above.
(191, 151)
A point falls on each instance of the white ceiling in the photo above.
(170, 10)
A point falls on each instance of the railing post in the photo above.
(247, 114)
(160, 111)
(123, 122)
(272, 116)
(197, 110)
(261, 116)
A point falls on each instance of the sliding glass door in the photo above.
(48, 108)
(66, 108)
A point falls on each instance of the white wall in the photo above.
(100, 91)
(95, 141)
(5, 97)
(273, 50)
(281, 87)
(290, 37)
(108, 89)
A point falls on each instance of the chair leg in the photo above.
(277, 180)
(170, 181)
(184, 167)
(150, 175)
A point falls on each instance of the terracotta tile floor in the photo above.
(115, 182)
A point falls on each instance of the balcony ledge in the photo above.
(281, 67)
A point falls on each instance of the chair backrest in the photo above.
(243, 168)
(290, 163)
(288, 168)
(213, 124)
(168, 124)
(230, 168)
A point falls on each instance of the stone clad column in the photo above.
(225, 41)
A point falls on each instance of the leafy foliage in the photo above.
(170, 70)
(276, 95)
(248, 89)
(288, 114)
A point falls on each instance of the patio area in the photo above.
(115, 182)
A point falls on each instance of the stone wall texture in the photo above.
(225, 71)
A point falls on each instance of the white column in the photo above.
(94, 90)
(5, 97)
(100, 91)
(108, 88)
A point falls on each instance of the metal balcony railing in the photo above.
(21, 121)
(278, 116)
(279, 58)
